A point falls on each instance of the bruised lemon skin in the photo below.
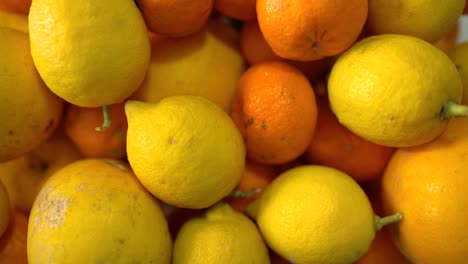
(395, 90)
(185, 150)
(90, 53)
(96, 211)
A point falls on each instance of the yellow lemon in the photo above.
(12, 20)
(208, 63)
(29, 111)
(425, 19)
(459, 55)
(4, 209)
(221, 235)
(90, 53)
(317, 214)
(185, 150)
(23, 177)
(395, 90)
(96, 211)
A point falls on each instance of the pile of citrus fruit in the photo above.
(233, 131)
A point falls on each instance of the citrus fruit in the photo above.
(310, 30)
(77, 53)
(96, 211)
(459, 55)
(14, 21)
(13, 242)
(244, 10)
(29, 111)
(316, 214)
(427, 20)
(185, 150)
(4, 209)
(395, 90)
(221, 235)
(428, 185)
(275, 110)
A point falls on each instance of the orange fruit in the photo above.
(255, 176)
(255, 49)
(449, 39)
(244, 10)
(175, 18)
(310, 30)
(17, 6)
(428, 184)
(275, 110)
(336, 146)
(80, 126)
(13, 242)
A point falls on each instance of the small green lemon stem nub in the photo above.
(383, 221)
(244, 194)
(452, 109)
(107, 122)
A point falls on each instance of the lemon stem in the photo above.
(244, 194)
(107, 122)
(383, 221)
(452, 109)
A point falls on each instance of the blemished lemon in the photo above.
(96, 211)
(200, 239)
(425, 19)
(90, 53)
(207, 63)
(4, 209)
(185, 150)
(317, 214)
(29, 111)
(23, 177)
(459, 55)
(395, 90)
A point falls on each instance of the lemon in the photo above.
(90, 53)
(96, 211)
(425, 19)
(316, 214)
(29, 111)
(221, 235)
(208, 63)
(4, 209)
(185, 150)
(12, 20)
(459, 55)
(23, 177)
(395, 90)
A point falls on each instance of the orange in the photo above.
(80, 126)
(428, 184)
(244, 10)
(275, 110)
(255, 176)
(175, 18)
(13, 242)
(336, 146)
(255, 49)
(310, 30)
(17, 6)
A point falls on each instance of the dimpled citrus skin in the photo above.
(391, 90)
(222, 235)
(96, 211)
(90, 53)
(29, 112)
(428, 185)
(316, 214)
(185, 150)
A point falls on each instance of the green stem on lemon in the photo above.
(107, 122)
(452, 109)
(383, 221)
(244, 194)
